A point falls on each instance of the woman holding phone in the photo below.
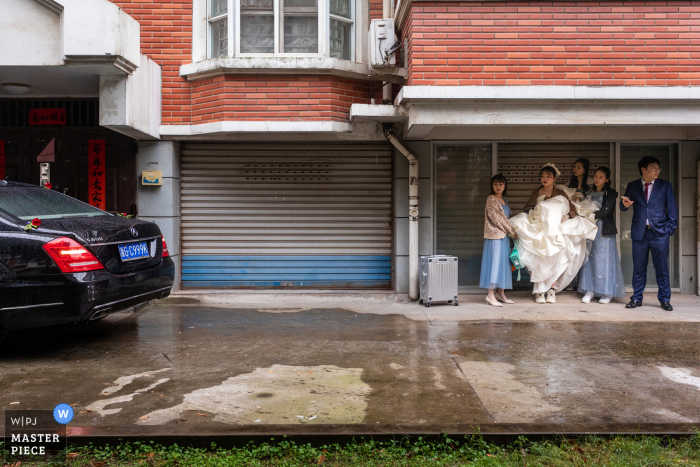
(601, 276)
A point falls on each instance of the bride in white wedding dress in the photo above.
(552, 236)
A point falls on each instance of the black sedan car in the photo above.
(63, 261)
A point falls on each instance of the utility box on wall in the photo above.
(151, 177)
(382, 40)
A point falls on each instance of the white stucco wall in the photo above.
(131, 104)
(98, 28)
(24, 42)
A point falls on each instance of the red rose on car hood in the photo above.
(36, 222)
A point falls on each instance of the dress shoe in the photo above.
(633, 304)
(493, 302)
(667, 306)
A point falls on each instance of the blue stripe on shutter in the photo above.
(298, 271)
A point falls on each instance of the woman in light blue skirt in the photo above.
(496, 272)
(601, 276)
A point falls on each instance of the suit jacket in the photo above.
(661, 210)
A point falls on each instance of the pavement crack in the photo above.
(472, 388)
(426, 317)
(31, 376)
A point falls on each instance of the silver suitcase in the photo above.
(438, 279)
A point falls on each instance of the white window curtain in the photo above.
(257, 27)
(300, 26)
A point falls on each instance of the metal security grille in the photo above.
(521, 164)
(79, 112)
(301, 215)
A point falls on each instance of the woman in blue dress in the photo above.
(601, 276)
(496, 273)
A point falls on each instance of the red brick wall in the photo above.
(166, 37)
(276, 98)
(545, 43)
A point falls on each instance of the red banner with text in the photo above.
(47, 116)
(2, 159)
(96, 178)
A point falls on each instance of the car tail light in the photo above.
(165, 248)
(71, 256)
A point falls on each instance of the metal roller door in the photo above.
(296, 215)
(521, 164)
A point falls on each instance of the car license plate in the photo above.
(133, 251)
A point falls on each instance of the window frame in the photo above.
(352, 21)
(320, 14)
(324, 20)
(229, 30)
(275, 47)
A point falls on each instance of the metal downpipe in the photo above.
(387, 7)
(412, 211)
(697, 230)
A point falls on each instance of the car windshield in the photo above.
(29, 203)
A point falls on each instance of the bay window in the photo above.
(313, 28)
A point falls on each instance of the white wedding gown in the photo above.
(553, 251)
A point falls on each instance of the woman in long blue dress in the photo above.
(496, 273)
(601, 276)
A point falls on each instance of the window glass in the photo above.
(340, 36)
(219, 38)
(629, 157)
(462, 177)
(341, 8)
(218, 7)
(28, 203)
(300, 26)
(257, 27)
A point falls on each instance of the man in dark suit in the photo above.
(654, 220)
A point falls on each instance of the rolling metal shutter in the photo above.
(521, 164)
(299, 215)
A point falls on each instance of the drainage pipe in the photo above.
(697, 231)
(412, 211)
(386, 14)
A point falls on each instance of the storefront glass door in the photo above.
(462, 177)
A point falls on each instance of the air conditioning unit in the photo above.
(383, 44)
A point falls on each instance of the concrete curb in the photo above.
(229, 436)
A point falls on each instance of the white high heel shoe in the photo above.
(493, 303)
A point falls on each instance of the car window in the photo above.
(28, 203)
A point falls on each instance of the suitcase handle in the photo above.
(422, 279)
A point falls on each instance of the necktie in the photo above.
(646, 191)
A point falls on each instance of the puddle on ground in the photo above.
(100, 406)
(680, 375)
(281, 394)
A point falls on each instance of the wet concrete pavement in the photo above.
(185, 367)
